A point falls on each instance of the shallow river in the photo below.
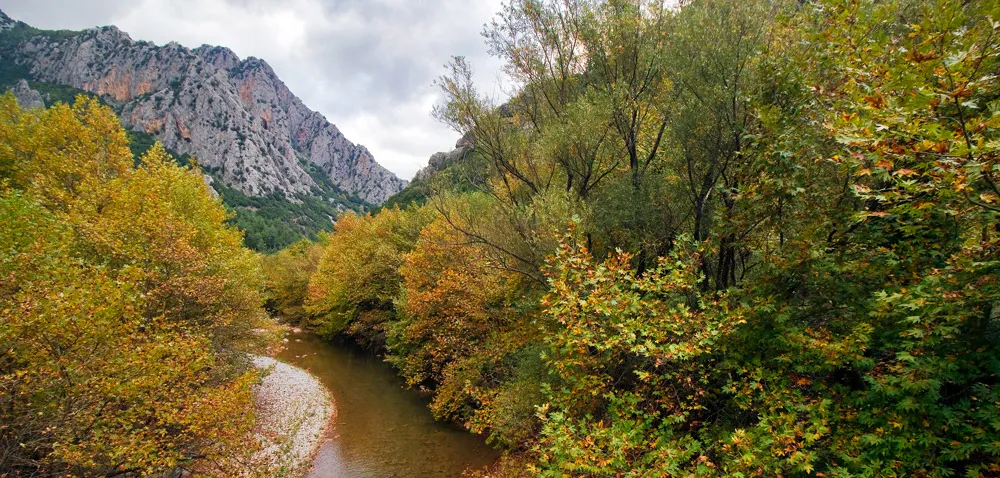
(381, 429)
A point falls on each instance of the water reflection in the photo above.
(381, 430)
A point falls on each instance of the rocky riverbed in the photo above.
(294, 411)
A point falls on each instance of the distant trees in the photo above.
(409, 283)
(288, 272)
(272, 222)
(357, 277)
(125, 305)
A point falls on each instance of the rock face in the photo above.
(26, 97)
(235, 116)
(439, 161)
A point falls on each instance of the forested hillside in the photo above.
(127, 306)
(725, 238)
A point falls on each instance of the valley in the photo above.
(700, 238)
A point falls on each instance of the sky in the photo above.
(367, 65)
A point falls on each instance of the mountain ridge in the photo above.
(234, 115)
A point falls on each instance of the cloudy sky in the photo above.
(367, 65)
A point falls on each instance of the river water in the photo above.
(381, 429)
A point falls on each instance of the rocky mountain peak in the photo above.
(235, 116)
(439, 161)
(220, 57)
(468, 140)
(109, 34)
(254, 63)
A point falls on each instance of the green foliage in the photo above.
(11, 70)
(462, 174)
(633, 350)
(53, 93)
(417, 192)
(844, 355)
(358, 277)
(731, 239)
(139, 143)
(273, 222)
(288, 273)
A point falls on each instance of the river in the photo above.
(381, 429)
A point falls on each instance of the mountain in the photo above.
(6, 22)
(235, 116)
(459, 170)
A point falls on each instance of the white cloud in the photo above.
(400, 130)
(367, 65)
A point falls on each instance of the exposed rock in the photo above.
(235, 116)
(6, 23)
(506, 111)
(467, 140)
(294, 411)
(27, 97)
(209, 181)
(439, 161)
(217, 56)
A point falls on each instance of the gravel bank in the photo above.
(293, 413)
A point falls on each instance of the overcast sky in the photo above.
(367, 65)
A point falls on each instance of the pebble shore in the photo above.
(293, 413)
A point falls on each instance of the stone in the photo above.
(26, 97)
(439, 161)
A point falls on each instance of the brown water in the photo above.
(381, 429)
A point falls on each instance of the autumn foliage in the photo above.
(719, 238)
(126, 305)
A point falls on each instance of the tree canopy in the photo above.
(708, 238)
(126, 305)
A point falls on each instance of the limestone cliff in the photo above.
(235, 116)
(439, 161)
(27, 98)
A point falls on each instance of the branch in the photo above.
(979, 203)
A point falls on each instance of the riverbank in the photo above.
(294, 411)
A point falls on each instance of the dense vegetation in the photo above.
(461, 173)
(726, 238)
(273, 222)
(126, 306)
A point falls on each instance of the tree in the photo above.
(451, 300)
(288, 273)
(633, 356)
(781, 256)
(126, 305)
(358, 277)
